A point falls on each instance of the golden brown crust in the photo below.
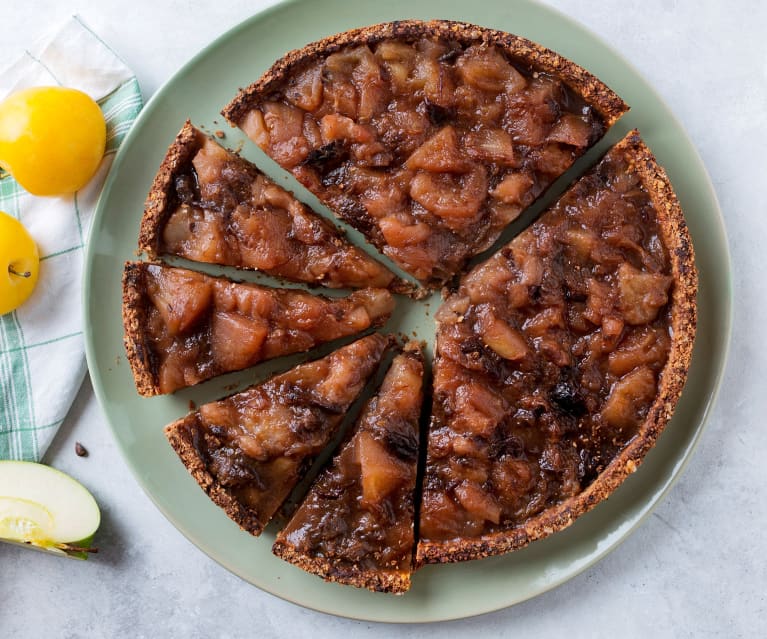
(181, 436)
(137, 347)
(157, 206)
(683, 323)
(376, 580)
(606, 102)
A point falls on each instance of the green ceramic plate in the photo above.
(199, 91)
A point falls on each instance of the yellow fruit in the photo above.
(52, 139)
(19, 264)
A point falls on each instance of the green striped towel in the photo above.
(42, 357)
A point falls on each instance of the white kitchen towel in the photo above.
(42, 353)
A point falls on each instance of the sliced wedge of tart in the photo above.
(355, 526)
(183, 327)
(428, 137)
(248, 451)
(210, 205)
(558, 362)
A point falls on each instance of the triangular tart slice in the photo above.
(559, 361)
(428, 137)
(355, 526)
(183, 327)
(208, 204)
(248, 451)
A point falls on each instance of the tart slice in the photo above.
(428, 137)
(248, 451)
(183, 327)
(558, 362)
(355, 525)
(210, 205)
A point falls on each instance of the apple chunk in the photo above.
(43, 508)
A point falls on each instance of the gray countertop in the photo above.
(695, 568)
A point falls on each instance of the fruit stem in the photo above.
(72, 548)
(12, 271)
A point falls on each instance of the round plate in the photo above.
(199, 91)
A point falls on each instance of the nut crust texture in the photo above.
(137, 347)
(157, 206)
(605, 101)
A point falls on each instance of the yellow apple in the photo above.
(52, 139)
(19, 264)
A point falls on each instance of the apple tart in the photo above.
(428, 137)
(248, 451)
(183, 327)
(355, 526)
(558, 362)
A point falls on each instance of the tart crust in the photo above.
(683, 323)
(608, 104)
(180, 434)
(137, 345)
(157, 207)
(392, 582)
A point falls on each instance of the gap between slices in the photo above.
(355, 525)
(248, 451)
(428, 137)
(210, 205)
(558, 362)
(183, 327)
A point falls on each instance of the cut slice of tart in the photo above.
(183, 327)
(248, 451)
(355, 526)
(428, 137)
(210, 205)
(558, 362)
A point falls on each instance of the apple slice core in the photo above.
(24, 520)
(43, 506)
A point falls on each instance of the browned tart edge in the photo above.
(378, 581)
(137, 347)
(606, 102)
(179, 154)
(181, 436)
(673, 377)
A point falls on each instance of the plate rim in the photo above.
(98, 385)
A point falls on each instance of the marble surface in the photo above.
(695, 568)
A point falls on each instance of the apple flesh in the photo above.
(42, 508)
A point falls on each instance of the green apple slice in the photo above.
(45, 509)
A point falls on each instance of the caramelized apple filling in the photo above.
(197, 326)
(429, 146)
(356, 524)
(548, 358)
(248, 451)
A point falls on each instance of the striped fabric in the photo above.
(42, 355)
